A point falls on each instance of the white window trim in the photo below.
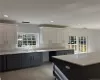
(37, 38)
(86, 44)
(77, 44)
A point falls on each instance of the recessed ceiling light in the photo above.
(16, 25)
(5, 15)
(51, 21)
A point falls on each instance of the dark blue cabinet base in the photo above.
(60, 52)
(75, 72)
(19, 61)
(25, 60)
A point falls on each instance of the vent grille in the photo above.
(25, 22)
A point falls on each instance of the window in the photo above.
(79, 44)
(82, 44)
(27, 40)
(72, 43)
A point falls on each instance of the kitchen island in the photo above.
(19, 59)
(77, 67)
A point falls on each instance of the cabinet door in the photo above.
(45, 35)
(38, 59)
(11, 35)
(0, 63)
(49, 35)
(13, 61)
(31, 59)
(27, 59)
(1, 35)
(60, 35)
(70, 52)
(53, 35)
(60, 53)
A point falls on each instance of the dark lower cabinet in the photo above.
(31, 59)
(38, 59)
(0, 63)
(13, 61)
(60, 52)
(24, 60)
(69, 70)
(64, 52)
(18, 61)
(27, 60)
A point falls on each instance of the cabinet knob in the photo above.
(67, 67)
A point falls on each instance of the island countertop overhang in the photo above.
(84, 59)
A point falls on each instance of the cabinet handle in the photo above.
(67, 67)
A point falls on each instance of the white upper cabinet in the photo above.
(1, 35)
(44, 36)
(52, 35)
(11, 34)
(8, 35)
(60, 35)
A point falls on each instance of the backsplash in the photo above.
(53, 45)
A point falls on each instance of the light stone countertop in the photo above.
(84, 59)
(28, 51)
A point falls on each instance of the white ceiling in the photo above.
(75, 13)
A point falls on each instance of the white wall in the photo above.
(92, 36)
(28, 28)
(97, 42)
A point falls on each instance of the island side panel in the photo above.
(60, 52)
(92, 71)
(71, 71)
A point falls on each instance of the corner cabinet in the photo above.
(8, 36)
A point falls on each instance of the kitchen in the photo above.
(19, 58)
(55, 45)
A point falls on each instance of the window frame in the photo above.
(77, 44)
(86, 44)
(23, 33)
(69, 43)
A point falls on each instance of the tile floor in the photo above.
(43, 72)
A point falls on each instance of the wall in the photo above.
(92, 37)
(97, 42)
(28, 28)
